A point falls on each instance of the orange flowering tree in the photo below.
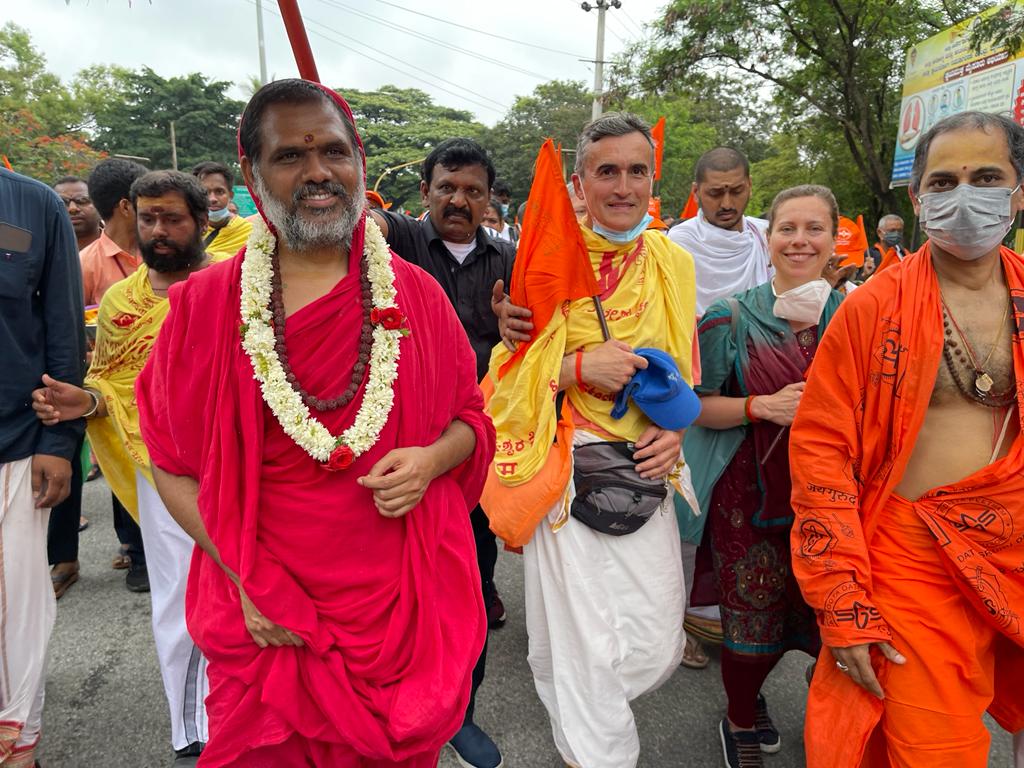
(33, 152)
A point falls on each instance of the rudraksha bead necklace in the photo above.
(359, 370)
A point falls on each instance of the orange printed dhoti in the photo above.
(959, 663)
(941, 578)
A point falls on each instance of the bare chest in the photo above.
(977, 357)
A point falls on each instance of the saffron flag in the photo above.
(658, 134)
(690, 209)
(7, 163)
(552, 265)
(851, 241)
(654, 209)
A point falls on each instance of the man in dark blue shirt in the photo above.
(451, 245)
(41, 331)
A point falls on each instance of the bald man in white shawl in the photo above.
(730, 252)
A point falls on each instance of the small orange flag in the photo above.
(690, 209)
(7, 163)
(552, 265)
(654, 209)
(658, 134)
(851, 241)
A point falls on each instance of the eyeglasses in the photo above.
(81, 201)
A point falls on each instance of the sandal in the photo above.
(63, 579)
(122, 561)
(693, 654)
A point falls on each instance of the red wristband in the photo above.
(579, 367)
(747, 412)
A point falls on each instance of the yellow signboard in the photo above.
(946, 75)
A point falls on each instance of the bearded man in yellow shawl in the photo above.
(604, 612)
(171, 216)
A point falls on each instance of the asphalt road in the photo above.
(105, 704)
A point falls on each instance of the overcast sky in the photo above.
(218, 38)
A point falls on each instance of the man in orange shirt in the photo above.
(115, 255)
(84, 217)
(110, 259)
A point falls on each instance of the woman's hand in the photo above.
(779, 408)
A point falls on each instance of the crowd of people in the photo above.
(314, 421)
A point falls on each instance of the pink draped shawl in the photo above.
(390, 610)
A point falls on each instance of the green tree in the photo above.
(136, 118)
(1003, 28)
(835, 68)
(402, 125)
(25, 82)
(687, 136)
(558, 109)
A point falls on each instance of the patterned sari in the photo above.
(744, 561)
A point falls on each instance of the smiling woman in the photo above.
(755, 349)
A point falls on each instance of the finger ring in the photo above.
(842, 667)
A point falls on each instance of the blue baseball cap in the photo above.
(660, 391)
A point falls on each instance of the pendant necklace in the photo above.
(983, 381)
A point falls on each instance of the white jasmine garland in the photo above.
(258, 342)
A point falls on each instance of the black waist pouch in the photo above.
(611, 497)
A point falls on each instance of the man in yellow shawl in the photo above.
(171, 215)
(604, 612)
(226, 232)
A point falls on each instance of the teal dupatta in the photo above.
(728, 332)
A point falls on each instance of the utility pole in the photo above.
(602, 6)
(259, 36)
(174, 149)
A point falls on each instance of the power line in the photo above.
(450, 23)
(501, 108)
(434, 40)
(629, 18)
(615, 18)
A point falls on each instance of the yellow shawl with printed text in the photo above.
(129, 319)
(648, 296)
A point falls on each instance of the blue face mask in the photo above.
(621, 238)
(222, 215)
(504, 210)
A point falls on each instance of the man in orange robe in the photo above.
(908, 478)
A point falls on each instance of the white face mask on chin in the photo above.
(803, 304)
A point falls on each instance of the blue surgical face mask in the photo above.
(621, 238)
(504, 210)
(222, 215)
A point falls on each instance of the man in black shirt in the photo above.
(451, 245)
(42, 330)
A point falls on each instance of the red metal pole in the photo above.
(297, 37)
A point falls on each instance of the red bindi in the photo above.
(308, 137)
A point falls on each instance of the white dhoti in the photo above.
(604, 616)
(27, 613)
(182, 666)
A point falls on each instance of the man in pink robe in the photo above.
(340, 611)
